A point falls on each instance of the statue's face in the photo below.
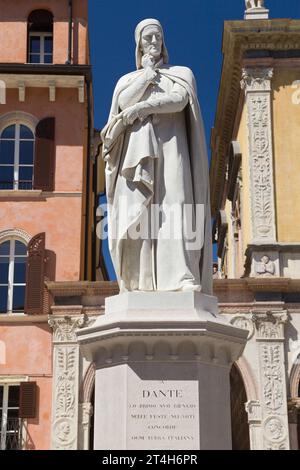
(151, 41)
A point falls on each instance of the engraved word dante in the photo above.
(162, 393)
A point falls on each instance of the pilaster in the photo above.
(65, 396)
(270, 346)
(256, 82)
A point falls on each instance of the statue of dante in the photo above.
(156, 162)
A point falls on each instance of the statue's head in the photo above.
(149, 38)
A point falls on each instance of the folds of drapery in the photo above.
(132, 154)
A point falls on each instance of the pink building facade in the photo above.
(45, 174)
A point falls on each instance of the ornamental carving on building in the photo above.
(271, 368)
(257, 86)
(274, 430)
(243, 322)
(65, 396)
(64, 329)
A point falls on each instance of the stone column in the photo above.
(162, 372)
(253, 408)
(65, 395)
(85, 413)
(270, 344)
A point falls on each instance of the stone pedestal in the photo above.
(257, 13)
(162, 372)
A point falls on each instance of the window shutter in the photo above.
(35, 275)
(27, 400)
(44, 163)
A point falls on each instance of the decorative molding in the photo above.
(65, 407)
(270, 341)
(265, 267)
(85, 414)
(52, 91)
(15, 233)
(270, 325)
(18, 117)
(257, 86)
(253, 408)
(275, 433)
(86, 288)
(254, 411)
(22, 91)
(64, 328)
(256, 79)
(81, 91)
(245, 322)
(65, 382)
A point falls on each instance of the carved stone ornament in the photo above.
(274, 429)
(244, 322)
(253, 408)
(270, 325)
(265, 268)
(64, 328)
(270, 337)
(273, 380)
(257, 86)
(65, 410)
(65, 381)
(256, 79)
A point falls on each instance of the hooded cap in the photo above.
(137, 34)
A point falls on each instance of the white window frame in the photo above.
(42, 48)
(17, 140)
(5, 407)
(11, 271)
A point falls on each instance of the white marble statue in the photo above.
(156, 160)
(254, 4)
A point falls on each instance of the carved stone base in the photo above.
(162, 372)
(256, 14)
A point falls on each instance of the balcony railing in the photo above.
(21, 184)
(13, 439)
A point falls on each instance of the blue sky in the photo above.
(193, 33)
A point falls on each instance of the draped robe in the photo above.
(161, 160)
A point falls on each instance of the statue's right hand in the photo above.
(148, 61)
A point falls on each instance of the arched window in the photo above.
(16, 157)
(40, 37)
(13, 257)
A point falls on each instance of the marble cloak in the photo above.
(138, 169)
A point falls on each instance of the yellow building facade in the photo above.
(255, 162)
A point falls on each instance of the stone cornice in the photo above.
(257, 285)
(240, 36)
(82, 288)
